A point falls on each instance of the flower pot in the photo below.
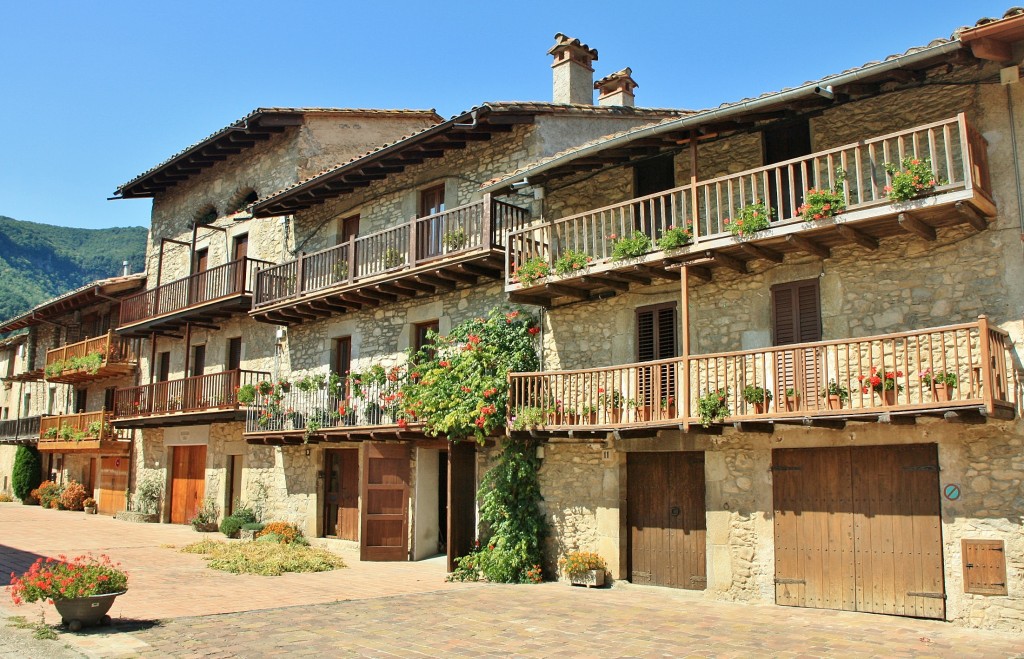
(572, 419)
(90, 510)
(643, 413)
(941, 393)
(835, 402)
(81, 611)
(759, 408)
(555, 419)
(615, 415)
(669, 411)
(590, 578)
(889, 397)
(590, 418)
(792, 403)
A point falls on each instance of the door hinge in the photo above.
(921, 468)
(785, 468)
(937, 596)
(779, 580)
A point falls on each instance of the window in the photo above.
(81, 400)
(234, 353)
(429, 235)
(420, 340)
(198, 360)
(241, 247)
(656, 332)
(108, 398)
(785, 142)
(341, 355)
(348, 229)
(432, 200)
(796, 318)
(163, 369)
(650, 177)
(27, 402)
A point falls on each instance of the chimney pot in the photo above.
(617, 88)
(572, 71)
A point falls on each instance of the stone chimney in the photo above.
(572, 71)
(617, 88)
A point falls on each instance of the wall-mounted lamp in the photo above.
(279, 334)
(540, 452)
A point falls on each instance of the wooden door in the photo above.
(655, 340)
(240, 250)
(858, 529)
(651, 177)
(429, 235)
(781, 143)
(385, 513)
(202, 262)
(796, 318)
(341, 495)
(897, 530)
(113, 481)
(188, 482)
(667, 520)
(461, 500)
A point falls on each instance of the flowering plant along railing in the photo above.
(200, 393)
(705, 211)
(322, 402)
(469, 228)
(957, 366)
(80, 427)
(88, 357)
(224, 281)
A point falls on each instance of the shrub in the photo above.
(286, 531)
(73, 495)
(147, 494)
(231, 526)
(630, 247)
(245, 515)
(48, 494)
(713, 406)
(252, 526)
(89, 503)
(246, 394)
(5, 498)
(265, 558)
(268, 537)
(27, 473)
(206, 517)
(83, 576)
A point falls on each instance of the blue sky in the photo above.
(96, 93)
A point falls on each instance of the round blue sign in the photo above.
(951, 491)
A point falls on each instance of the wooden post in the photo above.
(486, 239)
(987, 378)
(351, 254)
(684, 320)
(152, 357)
(300, 266)
(413, 230)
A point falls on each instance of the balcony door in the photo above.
(656, 340)
(201, 265)
(651, 177)
(239, 252)
(194, 388)
(796, 318)
(430, 235)
(781, 143)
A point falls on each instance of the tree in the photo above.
(27, 473)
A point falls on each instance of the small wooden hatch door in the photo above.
(385, 514)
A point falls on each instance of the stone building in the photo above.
(821, 409)
(59, 384)
(204, 251)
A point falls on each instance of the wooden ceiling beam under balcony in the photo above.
(568, 291)
(607, 280)
(415, 286)
(436, 282)
(917, 227)
(973, 217)
(758, 252)
(810, 246)
(858, 237)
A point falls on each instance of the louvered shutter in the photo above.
(796, 318)
(656, 339)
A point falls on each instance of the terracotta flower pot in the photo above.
(572, 419)
(590, 419)
(941, 393)
(615, 415)
(889, 397)
(643, 413)
(835, 402)
(759, 408)
(669, 411)
(792, 403)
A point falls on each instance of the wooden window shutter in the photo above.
(984, 567)
(656, 332)
(796, 312)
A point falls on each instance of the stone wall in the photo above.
(7, 452)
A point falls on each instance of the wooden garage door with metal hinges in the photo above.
(667, 522)
(858, 529)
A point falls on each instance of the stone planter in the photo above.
(206, 527)
(590, 578)
(139, 518)
(90, 510)
(81, 611)
(247, 535)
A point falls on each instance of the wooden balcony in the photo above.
(20, 431)
(116, 356)
(318, 416)
(958, 156)
(198, 399)
(423, 255)
(665, 393)
(201, 298)
(88, 432)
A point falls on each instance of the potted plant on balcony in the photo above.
(583, 568)
(571, 262)
(791, 399)
(668, 407)
(89, 506)
(676, 237)
(528, 418)
(882, 383)
(750, 219)
(612, 403)
(713, 406)
(82, 589)
(759, 397)
(454, 239)
(246, 394)
(630, 247)
(942, 384)
(835, 394)
(911, 177)
(820, 204)
(392, 258)
(531, 271)
(588, 414)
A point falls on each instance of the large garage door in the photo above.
(858, 528)
(667, 522)
(385, 535)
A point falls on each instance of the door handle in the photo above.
(675, 511)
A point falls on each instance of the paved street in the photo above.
(408, 610)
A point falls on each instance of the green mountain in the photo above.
(40, 261)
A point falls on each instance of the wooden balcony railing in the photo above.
(233, 279)
(956, 150)
(479, 226)
(86, 431)
(14, 431)
(116, 355)
(974, 362)
(200, 393)
(311, 412)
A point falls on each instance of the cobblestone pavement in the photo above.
(546, 621)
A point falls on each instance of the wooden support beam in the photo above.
(915, 226)
(602, 280)
(758, 252)
(808, 245)
(391, 288)
(897, 419)
(535, 300)
(479, 270)
(857, 236)
(730, 262)
(699, 271)
(998, 413)
(436, 282)
(835, 424)
(373, 293)
(568, 291)
(969, 416)
(358, 298)
(971, 215)
(633, 277)
(414, 285)
(656, 272)
(456, 275)
(754, 426)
